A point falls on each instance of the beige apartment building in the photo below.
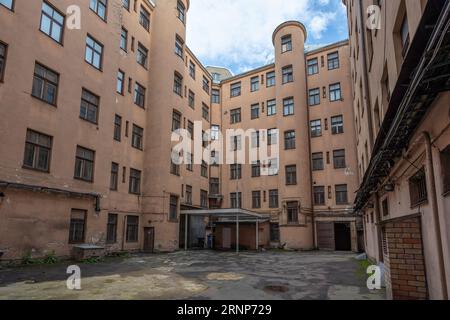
(86, 120)
(400, 78)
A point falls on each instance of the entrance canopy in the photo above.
(230, 216)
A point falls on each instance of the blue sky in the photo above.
(237, 34)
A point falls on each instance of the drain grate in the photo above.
(276, 288)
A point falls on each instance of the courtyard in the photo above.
(198, 275)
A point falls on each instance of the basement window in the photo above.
(418, 188)
(77, 226)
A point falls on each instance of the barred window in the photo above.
(132, 232)
(292, 212)
(418, 188)
(77, 226)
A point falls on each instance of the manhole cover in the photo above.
(276, 288)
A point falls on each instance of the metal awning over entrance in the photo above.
(227, 216)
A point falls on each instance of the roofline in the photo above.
(328, 47)
(290, 23)
(199, 63)
(244, 74)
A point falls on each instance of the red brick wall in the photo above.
(404, 260)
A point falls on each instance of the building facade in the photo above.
(87, 115)
(400, 80)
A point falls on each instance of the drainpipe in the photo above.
(434, 208)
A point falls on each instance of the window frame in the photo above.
(135, 180)
(94, 51)
(52, 22)
(89, 106)
(3, 59)
(45, 82)
(36, 151)
(84, 160)
(105, 5)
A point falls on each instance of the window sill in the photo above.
(44, 101)
(83, 180)
(89, 121)
(35, 169)
(47, 36)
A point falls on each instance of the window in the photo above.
(38, 151)
(215, 132)
(255, 139)
(418, 188)
(120, 82)
(256, 199)
(385, 207)
(84, 164)
(178, 84)
(286, 43)
(333, 61)
(256, 169)
(292, 212)
(173, 213)
(255, 111)
(179, 45)
(111, 228)
(192, 68)
(204, 169)
(235, 116)
(317, 161)
(236, 171)
(214, 186)
(271, 107)
(205, 84)
(270, 79)
(313, 66)
(215, 98)
(190, 162)
(335, 92)
(341, 194)
(288, 106)
(176, 121)
(236, 200)
(204, 198)
(288, 74)
(314, 97)
(142, 55)
(3, 49)
(174, 168)
(45, 84)
(113, 184)
(117, 128)
(272, 137)
(77, 226)
(99, 7)
(188, 197)
(404, 35)
(273, 199)
(124, 39)
(137, 140)
(235, 89)
(319, 196)
(132, 232)
(339, 159)
(89, 106)
(445, 163)
(7, 3)
(337, 125)
(144, 19)
(135, 182)
(216, 77)
(205, 112)
(191, 99)
(291, 175)
(139, 95)
(273, 167)
(94, 52)
(126, 4)
(289, 140)
(254, 84)
(316, 128)
(181, 11)
(52, 22)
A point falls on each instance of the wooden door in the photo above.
(149, 239)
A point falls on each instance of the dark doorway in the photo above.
(342, 237)
(149, 240)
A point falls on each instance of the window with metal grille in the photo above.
(139, 95)
(289, 140)
(89, 106)
(113, 184)
(256, 199)
(111, 228)
(339, 159)
(317, 161)
(77, 226)
(292, 212)
(319, 196)
(84, 164)
(132, 232)
(38, 150)
(94, 52)
(45, 84)
(52, 22)
(144, 19)
(418, 188)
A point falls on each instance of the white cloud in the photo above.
(239, 33)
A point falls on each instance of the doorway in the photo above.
(149, 240)
(342, 237)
